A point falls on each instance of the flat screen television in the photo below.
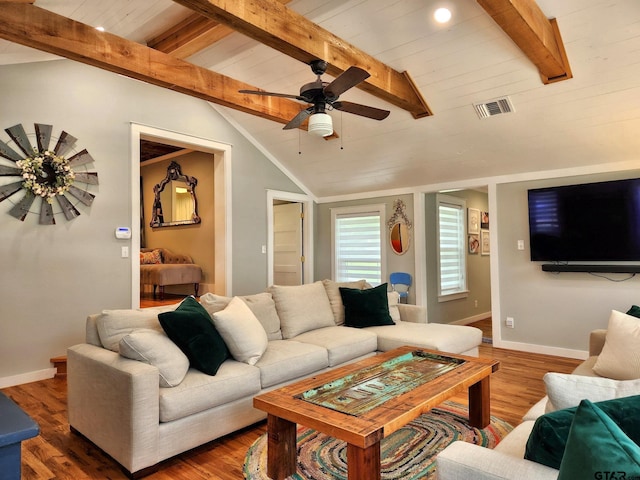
(586, 222)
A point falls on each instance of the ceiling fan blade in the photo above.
(271, 94)
(362, 110)
(298, 119)
(347, 79)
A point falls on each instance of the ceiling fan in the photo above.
(323, 95)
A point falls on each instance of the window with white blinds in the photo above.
(451, 245)
(357, 244)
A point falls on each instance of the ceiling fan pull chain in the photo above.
(341, 132)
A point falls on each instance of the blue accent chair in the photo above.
(400, 282)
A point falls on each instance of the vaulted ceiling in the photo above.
(569, 68)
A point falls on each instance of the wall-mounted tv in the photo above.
(586, 222)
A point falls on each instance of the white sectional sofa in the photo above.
(463, 461)
(152, 406)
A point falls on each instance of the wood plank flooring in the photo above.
(58, 454)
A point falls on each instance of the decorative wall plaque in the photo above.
(45, 174)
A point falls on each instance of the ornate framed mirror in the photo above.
(399, 229)
(175, 201)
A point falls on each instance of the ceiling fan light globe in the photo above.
(320, 124)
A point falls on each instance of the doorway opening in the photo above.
(217, 187)
(290, 234)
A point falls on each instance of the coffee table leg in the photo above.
(363, 462)
(281, 448)
(480, 403)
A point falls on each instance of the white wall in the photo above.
(52, 276)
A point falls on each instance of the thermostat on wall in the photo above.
(123, 233)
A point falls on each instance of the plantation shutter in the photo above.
(451, 248)
(358, 248)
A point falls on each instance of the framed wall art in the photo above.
(485, 244)
(473, 221)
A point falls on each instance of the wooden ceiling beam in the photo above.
(193, 34)
(273, 24)
(41, 29)
(536, 35)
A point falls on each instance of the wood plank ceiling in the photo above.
(172, 56)
(271, 23)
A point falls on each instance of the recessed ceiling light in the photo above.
(442, 15)
(100, 29)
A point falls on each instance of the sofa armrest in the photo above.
(113, 401)
(464, 461)
(412, 313)
(596, 341)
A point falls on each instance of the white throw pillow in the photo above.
(112, 325)
(394, 299)
(261, 304)
(565, 390)
(302, 308)
(155, 348)
(620, 356)
(243, 333)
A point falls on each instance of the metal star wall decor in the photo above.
(44, 173)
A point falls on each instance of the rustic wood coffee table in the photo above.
(363, 402)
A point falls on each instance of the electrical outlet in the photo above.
(475, 303)
(509, 323)
(124, 252)
(520, 244)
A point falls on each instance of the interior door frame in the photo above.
(222, 194)
(307, 231)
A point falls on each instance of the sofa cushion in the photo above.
(342, 343)
(597, 445)
(286, 360)
(335, 299)
(261, 304)
(241, 331)
(155, 348)
(302, 308)
(567, 390)
(366, 308)
(549, 435)
(264, 308)
(199, 392)
(620, 356)
(190, 327)
(112, 325)
(433, 336)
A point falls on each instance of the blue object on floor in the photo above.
(400, 282)
(15, 426)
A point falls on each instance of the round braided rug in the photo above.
(407, 454)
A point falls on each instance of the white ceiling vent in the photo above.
(497, 106)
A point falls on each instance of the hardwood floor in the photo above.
(58, 454)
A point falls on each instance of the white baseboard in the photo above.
(543, 349)
(475, 318)
(27, 377)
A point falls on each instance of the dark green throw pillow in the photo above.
(598, 448)
(366, 308)
(634, 311)
(191, 329)
(548, 438)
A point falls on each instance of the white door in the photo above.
(287, 244)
